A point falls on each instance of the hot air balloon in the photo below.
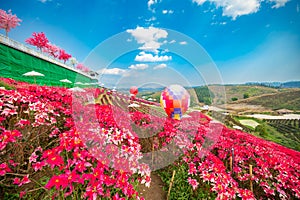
(133, 91)
(175, 100)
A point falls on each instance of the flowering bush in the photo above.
(8, 20)
(43, 153)
(42, 43)
(55, 144)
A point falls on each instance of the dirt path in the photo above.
(155, 191)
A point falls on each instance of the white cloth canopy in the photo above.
(65, 81)
(134, 105)
(76, 89)
(33, 73)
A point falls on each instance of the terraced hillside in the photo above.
(239, 92)
(289, 99)
(288, 127)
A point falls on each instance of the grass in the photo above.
(238, 91)
(181, 189)
(6, 86)
(240, 117)
(267, 132)
(287, 99)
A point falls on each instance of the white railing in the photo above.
(21, 47)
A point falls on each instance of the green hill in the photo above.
(288, 99)
(238, 92)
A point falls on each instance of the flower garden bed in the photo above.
(54, 145)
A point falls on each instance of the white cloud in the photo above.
(172, 41)
(199, 2)
(113, 71)
(160, 66)
(151, 19)
(236, 8)
(148, 37)
(167, 12)
(278, 3)
(150, 4)
(183, 43)
(138, 66)
(148, 57)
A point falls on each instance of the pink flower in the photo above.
(23, 122)
(94, 190)
(22, 194)
(19, 182)
(57, 182)
(4, 168)
(193, 183)
(192, 168)
(55, 160)
(38, 165)
(33, 157)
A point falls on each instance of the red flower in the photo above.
(23, 122)
(57, 182)
(55, 160)
(94, 190)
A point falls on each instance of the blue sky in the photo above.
(191, 42)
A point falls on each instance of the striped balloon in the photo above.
(175, 100)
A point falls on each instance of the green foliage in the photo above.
(284, 99)
(9, 196)
(261, 129)
(181, 189)
(204, 95)
(6, 86)
(234, 99)
(270, 133)
(246, 96)
(283, 132)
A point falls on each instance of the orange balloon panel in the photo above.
(175, 100)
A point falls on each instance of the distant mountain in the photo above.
(290, 84)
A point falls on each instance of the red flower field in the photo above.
(55, 144)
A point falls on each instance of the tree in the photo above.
(8, 21)
(39, 40)
(83, 68)
(204, 95)
(262, 130)
(246, 95)
(234, 99)
(80, 66)
(51, 49)
(63, 55)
